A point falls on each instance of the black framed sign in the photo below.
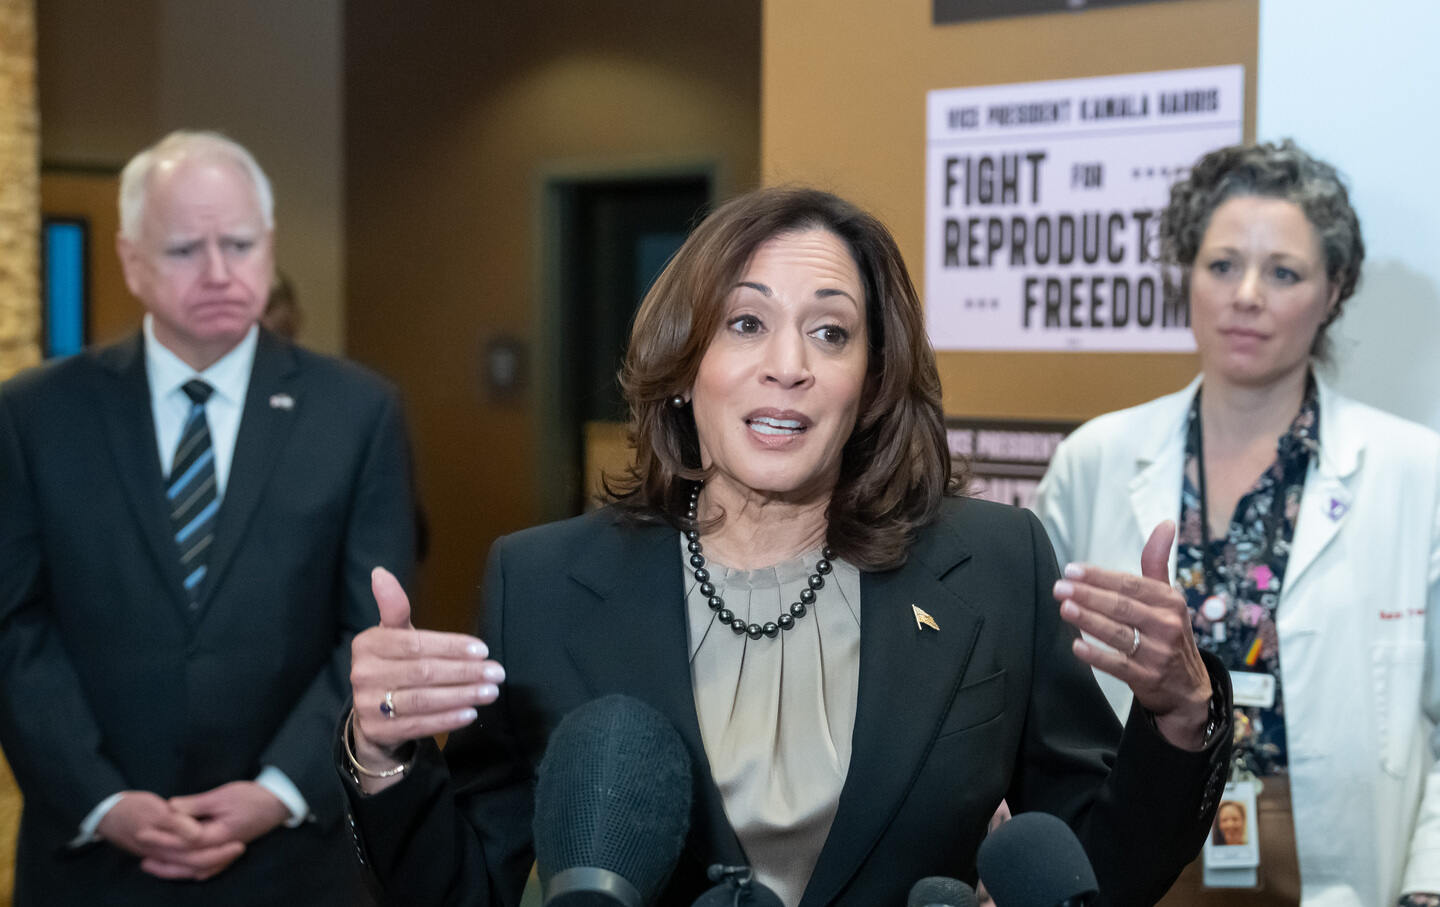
(950, 11)
(1007, 457)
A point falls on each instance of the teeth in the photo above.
(768, 426)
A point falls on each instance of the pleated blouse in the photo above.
(776, 715)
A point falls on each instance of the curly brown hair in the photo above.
(1266, 170)
(896, 466)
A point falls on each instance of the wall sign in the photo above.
(1007, 457)
(1042, 203)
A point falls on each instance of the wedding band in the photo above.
(387, 708)
(1134, 643)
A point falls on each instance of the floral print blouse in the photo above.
(1232, 584)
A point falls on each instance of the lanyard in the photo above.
(1207, 554)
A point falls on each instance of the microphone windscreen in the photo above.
(1034, 860)
(939, 891)
(613, 793)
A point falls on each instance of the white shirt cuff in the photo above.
(92, 821)
(279, 784)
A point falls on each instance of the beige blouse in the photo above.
(776, 715)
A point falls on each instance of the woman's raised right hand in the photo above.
(434, 681)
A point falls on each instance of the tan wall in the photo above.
(19, 279)
(455, 113)
(843, 107)
(114, 77)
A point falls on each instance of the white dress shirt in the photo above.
(230, 379)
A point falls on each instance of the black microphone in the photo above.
(939, 891)
(737, 888)
(612, 805)
(1035, 860)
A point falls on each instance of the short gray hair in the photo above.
(178, 145)
(1266, 170)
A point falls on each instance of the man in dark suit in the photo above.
(190, 519)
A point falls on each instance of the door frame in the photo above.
(554, 437)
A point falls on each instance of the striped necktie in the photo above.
(191, 491)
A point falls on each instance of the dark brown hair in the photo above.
(896, 466)
(1265, 170)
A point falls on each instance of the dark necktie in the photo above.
(191, 491)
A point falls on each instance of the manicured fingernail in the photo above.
(1063, 589)
(478, 648)
(489, 690)
(469, 715)
(1069, 609)
(494, 673)
(1074, 571)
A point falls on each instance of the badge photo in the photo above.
(1234, 838)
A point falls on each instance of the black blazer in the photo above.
(110, 681)
(947, 723)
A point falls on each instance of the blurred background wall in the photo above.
(1360, 91)
(458, 117)
(114, 77)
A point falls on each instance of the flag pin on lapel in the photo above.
(923, 620)
(282, 401)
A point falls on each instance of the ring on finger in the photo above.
(387, 707)
(1134, 642)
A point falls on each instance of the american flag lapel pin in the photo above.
(282, 401)
(923, 620)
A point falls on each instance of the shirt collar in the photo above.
(229, 375)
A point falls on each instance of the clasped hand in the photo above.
(1164, 669)
(192, 837)
(434, 681)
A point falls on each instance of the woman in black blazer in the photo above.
(861, 662)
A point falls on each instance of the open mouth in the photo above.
(768, 425)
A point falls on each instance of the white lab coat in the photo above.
(1357, 621)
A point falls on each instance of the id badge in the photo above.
(1253, 688)
(1232, 852)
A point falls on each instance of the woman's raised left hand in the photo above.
(1145, 626)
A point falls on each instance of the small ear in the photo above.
(1334, 300)
(130, 263)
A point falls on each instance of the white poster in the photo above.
(1042, 202)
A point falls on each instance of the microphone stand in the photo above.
(737, 878)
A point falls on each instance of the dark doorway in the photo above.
(613, 237)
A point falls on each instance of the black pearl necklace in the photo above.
(717, 604)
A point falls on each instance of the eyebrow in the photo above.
(1278, 253)
(187, 239)
(825, 293)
